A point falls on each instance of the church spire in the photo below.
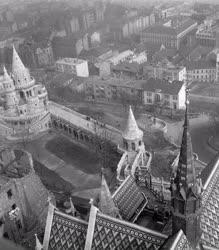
(186, 171)
(185, 189)
(132, 132)
(106, 203)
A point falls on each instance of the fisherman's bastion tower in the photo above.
(23, 103)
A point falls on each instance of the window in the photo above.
(149, 94)
(149, 100)
(9, 194)
(175, 97)
(1, 222)
(13, 206)
(18, 223)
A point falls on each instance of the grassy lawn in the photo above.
(161, 166)
(205, 89)
(74, 154)
(52, 180)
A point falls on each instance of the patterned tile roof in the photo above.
(112, 233)
(210, 207)
(177, 242)
(64, 231)
(128, 198)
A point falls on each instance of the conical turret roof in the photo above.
(20, 73)
(186, 176)
(106, 203)
(17, 64)
(132, 132)
(6, 75)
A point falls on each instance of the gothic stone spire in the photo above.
(185, 191)
(106, 203)
(186, 171)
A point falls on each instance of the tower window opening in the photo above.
(21, 94)
(9, 194)
(133, 146)
(18, 222)
(13, 206)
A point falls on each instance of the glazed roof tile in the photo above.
(64, 231)
(177, 242)
(210, 204)
(112, 233)
(128, 198)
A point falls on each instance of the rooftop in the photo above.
(175, 30)
(69, 60)
(152, 85)
(128, 67)
(201, 64)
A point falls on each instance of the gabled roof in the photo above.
(177, 242)
(127, 67)
(201, 64)
(163, 85)
(132, 132)
(128, 198)
(161, 29)
(105, 232)
(64, 231)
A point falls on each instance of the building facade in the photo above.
(163, 93)
(45, 55)
(74, 66)
(201, 71)
(206, 33)
(170, 37)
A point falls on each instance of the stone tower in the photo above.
(23, 102)
(186, 190)
(132, 135)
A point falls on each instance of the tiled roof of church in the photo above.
(177, 242)
(132, 130)
(64, 231)
(105, 232)
(128, 198)
(210, 205)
